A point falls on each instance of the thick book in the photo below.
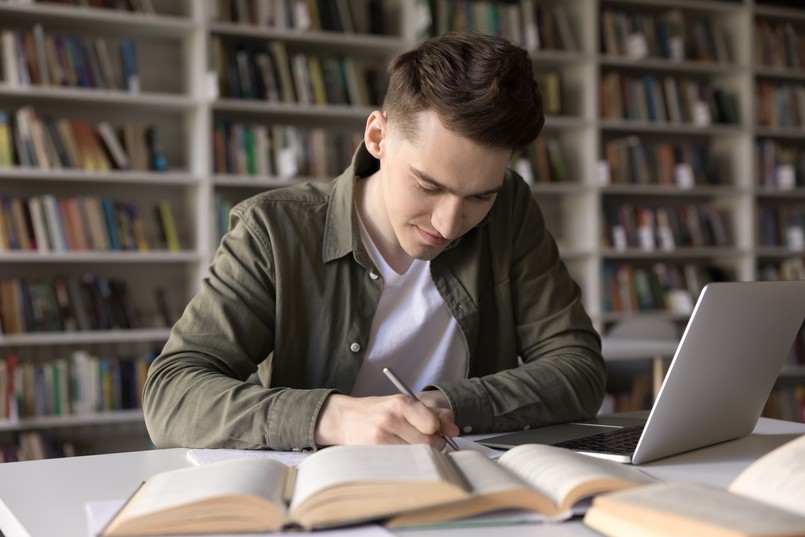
(765, 500)
(404, 485)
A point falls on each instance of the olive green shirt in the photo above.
(292, 292)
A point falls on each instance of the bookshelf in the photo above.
(672, 183)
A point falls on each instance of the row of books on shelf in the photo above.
(67, 303)
(787, 269)
(780, 105)
(33, 57)
(134, 6)
(786, 402)
(629, 288)
(281, 150)
(672, 35)
(34, 446)
(782, 225)
(676, 100)
(541, 162)
(650, 228)
(270, 72)
(49, 224)
(631, 160)
(637, 396)
(348, 16)
(47, 143)
(549, 83)
(779, 45)
(535, 25)
(779, 165)
(223, 207)
(78, 384)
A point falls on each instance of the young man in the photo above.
(426, 255)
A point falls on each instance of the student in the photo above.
(427, 254)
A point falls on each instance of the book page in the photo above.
(348, 464)
(694, 509)
(486, 476)
(100, 512)
(559, 473)
(263, 478)
(777, 478)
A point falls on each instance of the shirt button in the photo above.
(373, 275)
(468, 429)
(355, 347)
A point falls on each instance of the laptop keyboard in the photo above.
(619, 441)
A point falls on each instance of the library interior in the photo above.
(672, 156)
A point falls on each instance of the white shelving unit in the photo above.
(179, 96)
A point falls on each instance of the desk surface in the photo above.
(46, 498)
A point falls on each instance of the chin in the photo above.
(424, 253)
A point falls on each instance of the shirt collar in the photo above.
(341, 232)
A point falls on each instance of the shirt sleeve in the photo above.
(198, 392)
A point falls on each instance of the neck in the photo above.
(372, 210)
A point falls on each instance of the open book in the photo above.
(402, 485)
(766, 499)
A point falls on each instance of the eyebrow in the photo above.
(429, 179)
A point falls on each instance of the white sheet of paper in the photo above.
(199, 457)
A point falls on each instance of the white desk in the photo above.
(46, 498)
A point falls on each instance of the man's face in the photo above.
(437, 187)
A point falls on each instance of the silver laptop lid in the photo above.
(725, 366)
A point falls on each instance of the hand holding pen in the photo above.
(401, 386)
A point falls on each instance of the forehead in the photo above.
(452, 160)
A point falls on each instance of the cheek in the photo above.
(475, 212)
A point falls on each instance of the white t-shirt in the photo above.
(413, 332)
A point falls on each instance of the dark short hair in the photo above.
(481, 87)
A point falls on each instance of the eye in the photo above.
(426, 190)
(484, 198)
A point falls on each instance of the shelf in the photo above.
(292, 111)
(785, 14)
(782, 73)
(780, 132)
(101, 21)
(248, 181)
(69, 421)
(776, 194)
(334, 41)
(699, 253)
(677, 67)
(559, 188)
(778, 252)
(701, 6)
(700, 191)
(793, 372)
(101, 257)
(153, 102)
(114, 176)
(42, 339)
(667, 128)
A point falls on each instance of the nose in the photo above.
(447, 217)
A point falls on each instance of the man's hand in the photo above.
(393, 419)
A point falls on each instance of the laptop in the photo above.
(724, 368)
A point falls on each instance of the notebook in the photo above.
(723, 370)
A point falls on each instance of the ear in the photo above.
(375, 133)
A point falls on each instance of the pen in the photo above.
(407, 391)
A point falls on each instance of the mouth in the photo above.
(431, 239)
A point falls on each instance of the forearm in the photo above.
(564, 386)
(188, 403)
